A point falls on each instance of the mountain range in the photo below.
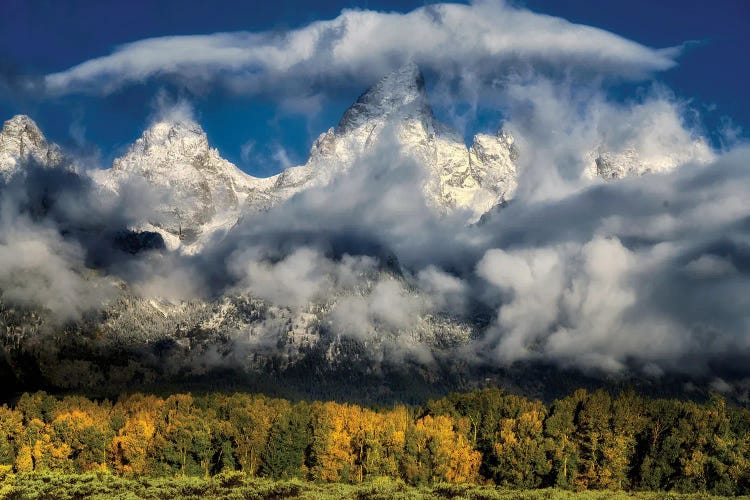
(203, 193)
(197, 197)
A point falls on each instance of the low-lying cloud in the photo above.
(646, 274)
(644, 271)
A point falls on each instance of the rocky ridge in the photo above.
(198, 195)
(397, 109)
(196, 191)
(21, 142)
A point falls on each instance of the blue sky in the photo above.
(43, 37)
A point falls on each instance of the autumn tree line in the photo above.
(589, 440)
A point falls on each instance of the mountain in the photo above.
(631, 161)
(21, 142)
(197, 191)
(196, 194)
(397, 108)
(189, 194)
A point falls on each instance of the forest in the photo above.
(593, 441)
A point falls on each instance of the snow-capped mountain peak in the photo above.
(197, 192)
(633, 161)
(186, 137)
(401, 92)
(21, 140)
(200, 191)
(456, 178)
(23, 126)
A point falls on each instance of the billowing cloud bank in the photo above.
(648, 274)
(486, 40)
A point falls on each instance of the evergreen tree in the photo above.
(288, 440)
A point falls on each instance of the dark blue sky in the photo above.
(39, 37)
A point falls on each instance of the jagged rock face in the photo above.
(198, 191)
(493, 162)
(401, 92)
(21, 141)
(457, 178)
(201, 193)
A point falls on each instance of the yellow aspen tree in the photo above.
(452, 457)
(88, 434)
(130, 448)
(24, 461)
(11, 434)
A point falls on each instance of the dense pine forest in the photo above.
(488, 438)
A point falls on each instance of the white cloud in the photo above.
(561, 127)
(246, 150)
(533, 279)
(709, 266)
(392, 305)
(39, 268)
(489, 39)
(281, 157)
(446, 292)
(721, 386)
(270, 158)
(572, 305)
(296, 280)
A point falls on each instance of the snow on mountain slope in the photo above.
(632, 161)
(473, 179)
(199, 192)
(22, 141)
